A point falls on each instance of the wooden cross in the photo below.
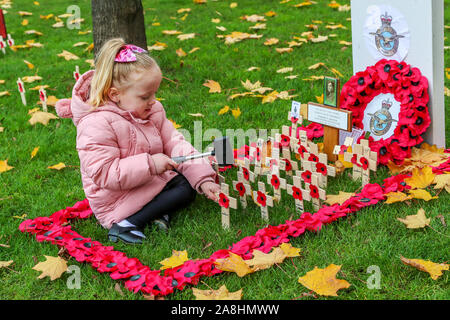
(244, 189)
(10, 41)
(76, 73)
(2, 45)
(258, 155)
(263, 200)
(21, 91)
(322, 168)
(299, 194)
(294, 117)
(316, 192)
(364, 160)
(226, 202)
(332, 120)
(246, 171)
(43, 98)
(277, 182)
(287, 164)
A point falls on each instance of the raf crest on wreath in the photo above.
(381, 120)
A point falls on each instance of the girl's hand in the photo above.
(210, 189)
(163, 163)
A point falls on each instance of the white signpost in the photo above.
(404, 30)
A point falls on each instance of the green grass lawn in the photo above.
(370, 237)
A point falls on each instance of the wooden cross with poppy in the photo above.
(302, 148)
(287, 164)
(299, 194)
(258, 156)
(277, 182)
(226, 202)
(364, 160)
(322, 168)
(43, 98)
(244, 189)
(317, 194)
(246, 171)
(288, 137)
(295, 119)
(263, 200)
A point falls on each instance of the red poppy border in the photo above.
(140, 278)
(409, 87)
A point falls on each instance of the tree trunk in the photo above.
(118, 18)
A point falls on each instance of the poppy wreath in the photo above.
(409, 88)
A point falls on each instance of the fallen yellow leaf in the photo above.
(421, 178)
(67, 55)
(52, 267)
(186, 36)
(338, 198)
(434, 269)
(236, 113)
(224, 110)
(175, 125)
(221, 294)
(393, 197)
(34, 152)
(421, 194)
(234, 263)
(4, 264)
(271, 41)
(416, 221)
(41, 117)
(442, 181)
(58, 166)
(213, 86)
(271, 97)
(180, 52)
(177, 259)
(323, 281)
(4, 166)
(30, 79)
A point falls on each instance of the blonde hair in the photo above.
(108, 71)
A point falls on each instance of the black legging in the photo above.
(177, 194)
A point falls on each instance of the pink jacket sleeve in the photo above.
(100, 157)
(196, 171)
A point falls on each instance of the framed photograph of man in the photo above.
(331, 91)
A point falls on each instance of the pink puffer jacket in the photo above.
(115, 151)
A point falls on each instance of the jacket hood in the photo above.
(78, 107)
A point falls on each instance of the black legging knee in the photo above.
(177, 194)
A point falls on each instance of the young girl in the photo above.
(125, 144)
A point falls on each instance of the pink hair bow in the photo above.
(126, 53)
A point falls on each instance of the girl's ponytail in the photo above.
(104, 67)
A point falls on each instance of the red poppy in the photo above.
(223, 200)
(240, 188)
(275, 182)
(306, 176)
(313, 157)
(285, 141)
(288, 165)
(261, 198)
(321, 168)
(314, 192)
(301, 150)
(294, 120)
(245, 173)
(364, 163)
(297, 193)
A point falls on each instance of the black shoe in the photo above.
(124, 233)
(163, 223)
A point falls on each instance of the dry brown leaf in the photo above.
(5, 264)
(251, 86)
